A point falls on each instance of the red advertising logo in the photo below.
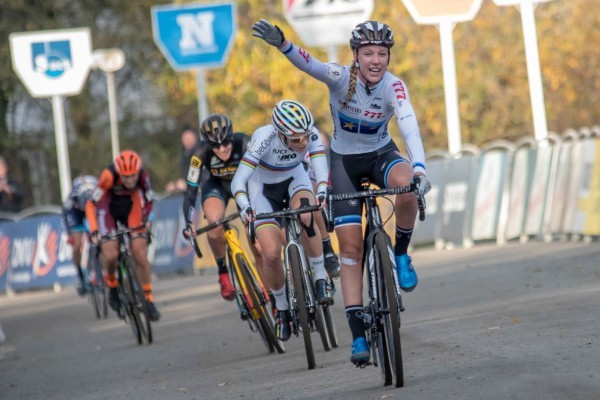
(4, 253)
(46, 252)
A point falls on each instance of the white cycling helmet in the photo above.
(292, 118)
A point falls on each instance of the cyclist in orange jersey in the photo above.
(123, 194)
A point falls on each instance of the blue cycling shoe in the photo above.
(406, 273)
(360, 351)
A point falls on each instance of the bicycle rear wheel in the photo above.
(259, 312)
(300, 294)
(139, 305)
(98, 288)
(390, 309)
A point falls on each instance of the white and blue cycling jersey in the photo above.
(361, 126)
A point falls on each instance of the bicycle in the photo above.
(306, 314)
(133, 306)
(251, 294)
(382, 313)
(96, 287)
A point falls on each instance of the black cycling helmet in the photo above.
(216, 129)
(371, 32)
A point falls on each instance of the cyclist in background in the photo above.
(271, 177)
(123, 194)
(73, 220)
(363, 98)
(212, 167)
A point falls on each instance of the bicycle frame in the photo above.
(293, 229)
(234, 249)
(304, 309)
(251, 293)
(131, 295)
(382, 314)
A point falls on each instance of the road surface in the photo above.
(514, 322)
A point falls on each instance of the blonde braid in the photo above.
(351, 86)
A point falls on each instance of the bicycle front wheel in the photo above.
(259, 311)
(299, 286)
(98, 288)
(331, 332)
(126, 297)
(139, 306)
(390, 309)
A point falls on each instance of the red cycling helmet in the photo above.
(128, 162)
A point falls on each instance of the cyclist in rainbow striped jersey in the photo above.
(271, 177)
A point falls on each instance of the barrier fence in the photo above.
(502, 192)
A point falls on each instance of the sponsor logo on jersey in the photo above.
(399, 90)
(287, 157)
(334, 72)
(304, 54)
(195, 162)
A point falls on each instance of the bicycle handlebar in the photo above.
(216, 224)
(121, 231)
(210, 227)
(289, 212)
(370, 193)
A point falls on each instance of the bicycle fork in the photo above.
(310, 295)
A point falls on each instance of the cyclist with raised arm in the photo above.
(363, 98)
(212, 167)
(124, 194)
(73, 221)
(270, 178)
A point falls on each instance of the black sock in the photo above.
(80, 272)
(403, 236)
(354, 314)
(327, 246)
(221, 265)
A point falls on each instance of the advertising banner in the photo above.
(560, 197)
(170, 252)
(457, 199)
(488, 196)
(5, 243)
(538, 191)
(427, 231)
(39, 254)
(519, 191)
(587, 217)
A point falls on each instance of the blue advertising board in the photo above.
(194, 35)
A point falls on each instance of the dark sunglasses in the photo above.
(219, 145)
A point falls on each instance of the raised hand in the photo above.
(268, 32)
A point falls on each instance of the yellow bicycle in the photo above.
(251, 294)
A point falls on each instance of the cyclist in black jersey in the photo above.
(211, 168)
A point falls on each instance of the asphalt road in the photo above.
(514, 322)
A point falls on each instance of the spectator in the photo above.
(189, 142)
(11, 193)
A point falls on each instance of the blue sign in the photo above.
(51, 58)
(194, 36)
